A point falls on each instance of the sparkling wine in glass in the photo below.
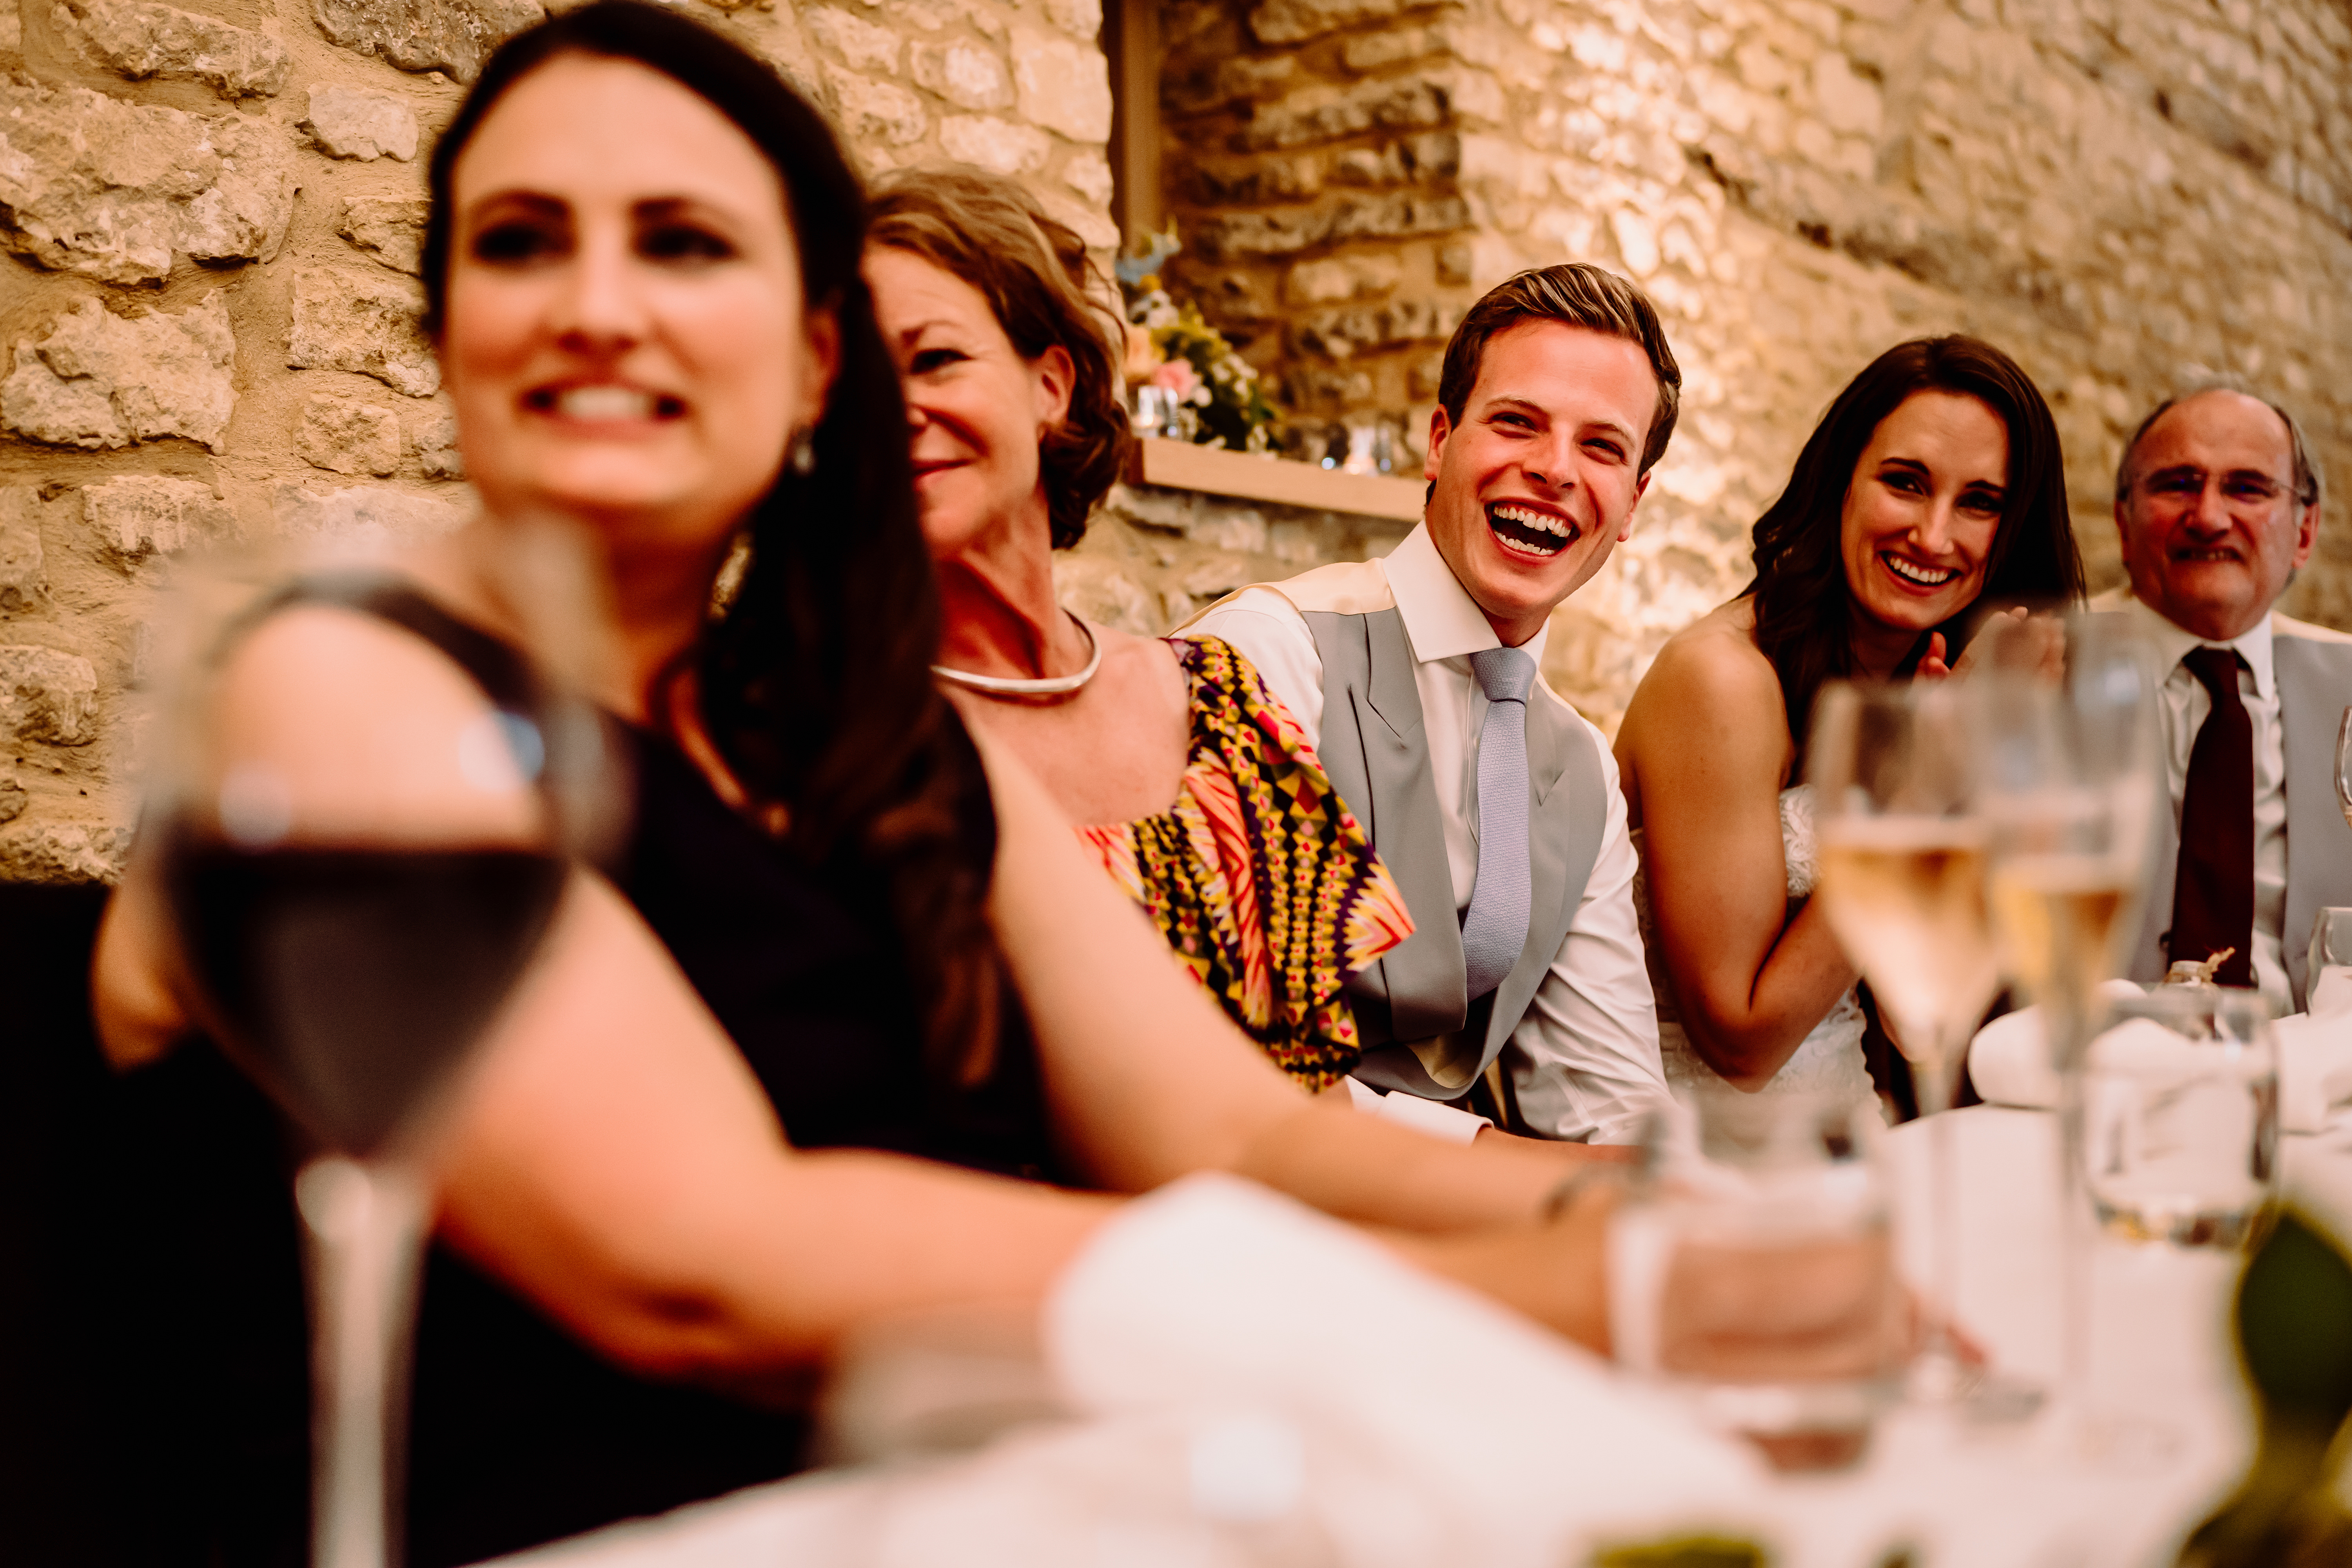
(2070, 786)
(362, 817)
(1903, 856)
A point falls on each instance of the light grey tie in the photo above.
(1495, 927)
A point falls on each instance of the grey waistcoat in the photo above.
(2315, 684)
(1419, 1034)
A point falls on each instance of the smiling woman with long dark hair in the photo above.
(1931, 489)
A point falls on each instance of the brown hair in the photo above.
(1035, 276)
(1581, 295)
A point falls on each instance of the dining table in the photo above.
(1541, 1455)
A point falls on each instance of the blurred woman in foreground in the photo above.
(1933, 486)
(769, 1082)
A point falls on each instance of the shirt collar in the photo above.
(2173, 644)
(1441, 619)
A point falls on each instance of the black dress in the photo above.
(522, 1435)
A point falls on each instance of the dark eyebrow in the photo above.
(538, 204)
(1908, 465)
(656, 210)
(2262, 474)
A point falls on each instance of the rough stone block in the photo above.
(1086, 221)
(1088, 173)
(389, 229)
(1080, 19)
(367, 511)
(100, 380)
(115, 190)
(12, 795)
(1254, 181)
(1062, 85)
(344, 435)
(865, 46)
(994, 144)
(138, 39)
(1847, 102)
(47, 695)
(134, 516)
(1337, 278)
(22, 583)
(1294, 21)
(1401, 103)
(63, 852)
(12, 30)
(353, 123)
(452, 36)
(365, 324)
(1341, 334)
(436, 443)
(870, 110)
(965, 74)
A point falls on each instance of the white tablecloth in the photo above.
(1999, 1496)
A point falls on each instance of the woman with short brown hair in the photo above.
(1195, 786)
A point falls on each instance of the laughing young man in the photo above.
(1494, 805)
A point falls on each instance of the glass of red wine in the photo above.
(371, 782)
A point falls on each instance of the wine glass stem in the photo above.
(363, 1225)
(1931, 1084)
(2067, 1018)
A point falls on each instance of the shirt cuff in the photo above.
(1421, 1115)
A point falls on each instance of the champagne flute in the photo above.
(354, 894)
(2343, 767)
(2070, 787)
(1903, 885)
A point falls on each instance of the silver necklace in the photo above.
(1048, 686)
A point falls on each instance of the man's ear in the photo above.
(822, 333)
(2306, 534)
(1439, 426)
(1640, 489)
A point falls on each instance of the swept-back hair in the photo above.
(1804, 607)
(1034, 273)
(814, 683)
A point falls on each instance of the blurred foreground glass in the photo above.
(2070, 787)
(2343, 765)
(1903, 884)
(2327, 964)
(2181, 1103)
(1752, 1270)
(353, 908)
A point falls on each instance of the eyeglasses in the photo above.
(2251, 486)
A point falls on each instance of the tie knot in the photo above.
(1504, 673)
(2217, 668)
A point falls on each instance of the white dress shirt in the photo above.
(1586, 1066)
(2184, 703)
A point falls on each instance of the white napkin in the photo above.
(1214, 1293)
(2315, 1067)
(2009, 1061)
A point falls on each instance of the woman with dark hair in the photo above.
(1193, 783)
(1932, 488)
(846, 952)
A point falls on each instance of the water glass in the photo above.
(2181, 1098)
(2327, 977)
(1752, 1272)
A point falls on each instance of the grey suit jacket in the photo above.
(1420, 1033)
(2315, 685)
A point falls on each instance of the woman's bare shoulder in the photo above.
(1714, 662)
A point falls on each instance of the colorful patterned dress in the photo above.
(1259, 876)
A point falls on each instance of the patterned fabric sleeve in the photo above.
(1260, 878)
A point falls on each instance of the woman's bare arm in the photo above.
(1704, 752)
(1149, 1080)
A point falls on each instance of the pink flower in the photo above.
(1179, 377)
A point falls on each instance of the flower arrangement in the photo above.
(1214, 396)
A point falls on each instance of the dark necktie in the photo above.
(2213, 889)
(1495, 927)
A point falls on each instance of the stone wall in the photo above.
(211, 215)
(2124, 193)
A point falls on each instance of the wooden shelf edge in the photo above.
(1181, 466)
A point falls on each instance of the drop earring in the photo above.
(803, 457)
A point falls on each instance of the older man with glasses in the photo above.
(2218, 504)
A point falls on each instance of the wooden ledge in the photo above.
(1181, 466)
